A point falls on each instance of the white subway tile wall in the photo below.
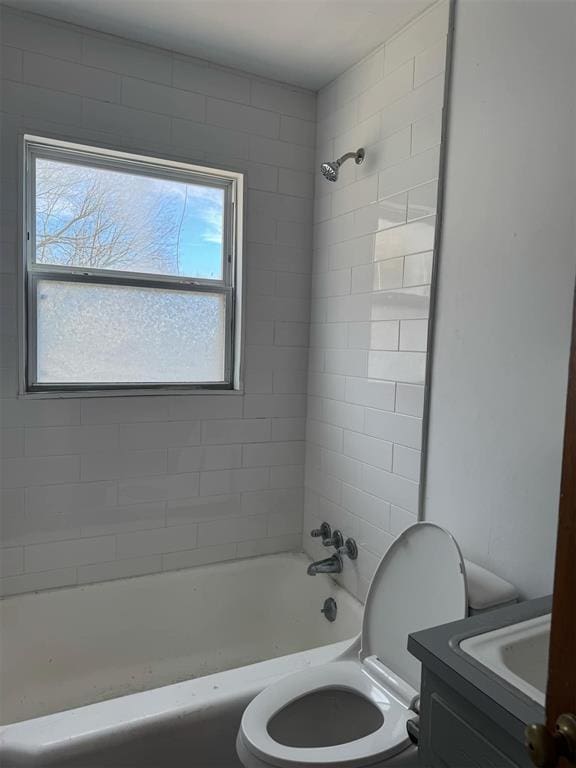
(107, 488)
(373, 242)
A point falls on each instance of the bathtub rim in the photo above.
(102, 724)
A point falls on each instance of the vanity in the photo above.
(483, 682)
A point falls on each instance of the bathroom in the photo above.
(344, 231)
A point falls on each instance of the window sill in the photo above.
(63, 395)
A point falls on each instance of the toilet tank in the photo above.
(487, 591)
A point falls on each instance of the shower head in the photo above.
(330, 170)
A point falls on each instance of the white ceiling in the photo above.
(303, 42)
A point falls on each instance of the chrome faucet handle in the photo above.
(349, 548)
(336, 540)
(325, 532)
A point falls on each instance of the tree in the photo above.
(99, 218)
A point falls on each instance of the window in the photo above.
(131, 273)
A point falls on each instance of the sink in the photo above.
(517, 653)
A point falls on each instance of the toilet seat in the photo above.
(419, 583)
(386, 741)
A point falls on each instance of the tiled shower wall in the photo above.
(95, 489)
(103, 488)
(373, 241)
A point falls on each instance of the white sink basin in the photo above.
(517, 653)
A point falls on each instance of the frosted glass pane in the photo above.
(109, 219)
(110, 334)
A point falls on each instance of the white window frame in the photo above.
(230, 286)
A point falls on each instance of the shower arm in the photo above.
(347, 156)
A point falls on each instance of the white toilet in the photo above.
(353, 711)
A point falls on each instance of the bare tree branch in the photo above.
(102, 219)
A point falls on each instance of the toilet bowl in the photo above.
(353, 711)
(329, 733)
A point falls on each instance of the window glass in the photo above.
(122, 334)
(94, 217)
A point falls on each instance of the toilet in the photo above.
(353, 711)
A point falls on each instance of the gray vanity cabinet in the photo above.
(470, 717)
(454, 734)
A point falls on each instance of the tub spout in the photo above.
(331, 564)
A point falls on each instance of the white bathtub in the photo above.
(63, 651)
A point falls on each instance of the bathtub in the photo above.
(156, 670)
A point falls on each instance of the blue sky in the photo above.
(200, 252)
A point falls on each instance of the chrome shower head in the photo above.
(330, 170)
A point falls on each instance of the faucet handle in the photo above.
(336, 540)
(324, 532)
(349, 548)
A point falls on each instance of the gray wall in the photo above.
(507, 266)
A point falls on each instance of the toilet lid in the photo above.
(419, 583)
